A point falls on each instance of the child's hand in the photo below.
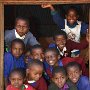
(48, 6)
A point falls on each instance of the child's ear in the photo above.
(66, 77)
(59, 57)
(27, 71)
(81, 72)
(52, 79)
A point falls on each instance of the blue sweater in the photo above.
(10, 62)
(83, 83)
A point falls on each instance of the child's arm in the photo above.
(56, 17)
(74, 45)
(84, 28)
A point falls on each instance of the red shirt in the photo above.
(26, 87)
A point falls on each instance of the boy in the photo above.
(59, 77)
(14, 58)
(21, 31)
(37, 52)
(34, 75)
(70, 25)
(75, 75)
(52, 58)
(65, 46)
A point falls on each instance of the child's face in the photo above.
(35, 72)
(17, 50)
(74, 73)
(51, 58)
(59, 79)
(71, 16)
(38, 54)
(60, 41)
(16, 80)
(21, 27)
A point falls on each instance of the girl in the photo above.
(17, 77)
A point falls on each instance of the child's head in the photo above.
(17, 77)
(22, 25)
(52, 56)
(17, 47)
(74, 71)
(72, 15)
(37, 52)
(59, 76)
(34, 70)
(60, 38)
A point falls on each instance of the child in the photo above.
(17, 78)
(52, 58)
(70, 25)
(75, 75)
(34, 75)
(37, 52)
(65, 46)
(14, 58)
(21, 31)
(59, 77)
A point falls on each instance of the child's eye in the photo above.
(62, 77)
(56, 78)
(20, 79)
(13, 79)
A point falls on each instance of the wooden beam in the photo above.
(89, 43)
(17, 2)
(1, 44)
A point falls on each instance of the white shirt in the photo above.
(18, 36)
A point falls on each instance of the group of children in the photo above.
(28, 66)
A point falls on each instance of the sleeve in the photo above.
(32, 39)
(74, 45)
(58, 19)
(86, 84)
(84, 28)
(52, 45)
(7, 65)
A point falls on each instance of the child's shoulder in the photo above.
(71, 85)
(84, 79)
(9, 54)
(53, 86)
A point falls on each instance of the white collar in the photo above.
(32, 81)
(18, 36)
(62, 52)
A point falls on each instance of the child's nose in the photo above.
(59, 80)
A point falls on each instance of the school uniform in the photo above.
(28, 38)
(38, 85)
(49, 68)
(70, 45)
(83, 83)
(53, 86)
(10, 63)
